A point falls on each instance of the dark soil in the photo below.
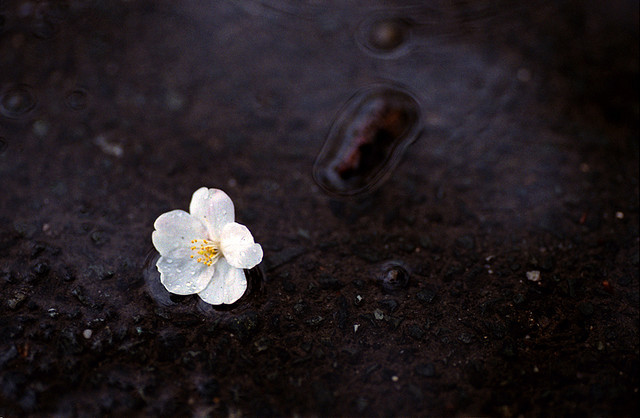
(410, 299)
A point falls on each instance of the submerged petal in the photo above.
(182, 275)
(238, 247)
(176, 229)
(227, 285)
(214, 208)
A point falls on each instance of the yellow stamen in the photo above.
(207, 249)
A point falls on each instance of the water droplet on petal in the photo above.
(154, 287)
(249, 300)
(17, 101)
(367, 140)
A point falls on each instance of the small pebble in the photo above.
(415, 332)
(87, 333)
(378, 314)
(533, 275)
(465, 338)
(17, 299)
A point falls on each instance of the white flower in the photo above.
(205, 251)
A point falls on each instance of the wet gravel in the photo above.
(416, 297)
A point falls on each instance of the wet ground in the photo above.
(485, 261)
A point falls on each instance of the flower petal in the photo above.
(238, 247)
(176, 229)
(214, 208)
(181, 274)
(227, 285)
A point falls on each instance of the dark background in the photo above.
(112, 113)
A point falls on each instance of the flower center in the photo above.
(208, 251)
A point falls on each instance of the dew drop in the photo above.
(76, 99)
(385, 36)
(17, 101)
(392, 276)
(367, 140)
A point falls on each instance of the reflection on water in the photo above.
(367, 140)
(392, 29)
(191, 303)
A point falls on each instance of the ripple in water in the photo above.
(367, 140)
(188, 304)
(17, 101)
(300, 9)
